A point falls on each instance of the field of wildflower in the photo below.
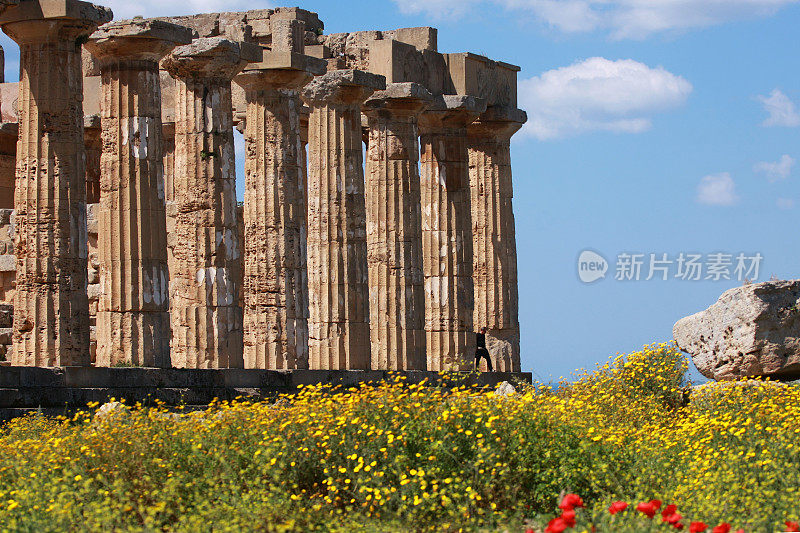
(627, 447)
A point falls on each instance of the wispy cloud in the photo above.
(718, 190)
(622, 19)
(599, 94)
(781, 110)
(776, 171)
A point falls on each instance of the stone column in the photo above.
(337, 245)
(447, 231)
(494, 241)
(394, 238)
(305, 115)
(133, 312)
(275, 277)
(206, 314)
(51, 323)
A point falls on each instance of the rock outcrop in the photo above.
(753, 330)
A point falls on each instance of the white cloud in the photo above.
(776, 171)
(598, 95)
(623, 19)
(785, 203)
(781, 110)
(717, 189)
(125, 9)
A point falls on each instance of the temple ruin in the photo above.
(377, 229)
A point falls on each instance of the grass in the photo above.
(403, 457)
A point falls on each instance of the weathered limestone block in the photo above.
(51, 327)
(753, 330)
(133, 311)
(494, 238)
(394, 238)
(337, 247)
(494, 81)
(447, 231)
(205, 310)
(275, 274)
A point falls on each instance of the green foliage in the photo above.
(401, 457)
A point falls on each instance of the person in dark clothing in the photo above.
(482, 352)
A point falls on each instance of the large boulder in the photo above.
(753, 330)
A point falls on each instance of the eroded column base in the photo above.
(133, 338)
(276, 342)
(206, 337)
(339, 346)
(450, 350)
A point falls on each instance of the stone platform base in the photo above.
(57, 391)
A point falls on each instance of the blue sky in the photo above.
(657, 126)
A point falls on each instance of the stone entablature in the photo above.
(415, 256)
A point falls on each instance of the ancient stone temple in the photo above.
(377, 228)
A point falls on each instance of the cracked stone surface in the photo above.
(276, 277)
(394, 238)
(51, 325)
(494, 237)
(337, 244)
(753, 330)
(204, 294)
(133, 310)
(447, 231)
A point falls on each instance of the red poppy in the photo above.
(569, 518)
(656, 504)
(792, 526)
(617, 507)
(669, 510)
(647, 508)
(556, 525)
(722, 528)
(672, 519)
(530, 530)
(570, 501)
(678, 526)
(697, 527)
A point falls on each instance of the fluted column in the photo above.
(447, 231)
(337, 246)
(394, 238)
(205, 308)
(133, 312)
(51, 322)
(494, 241)
(275, 277)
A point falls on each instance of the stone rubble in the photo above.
(752, 330)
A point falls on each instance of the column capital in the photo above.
(349, 87)
(398, 99)
(280, 70)
(33, 21)
(210, 58)
(451, 111)
(498, 122)
(136, 39)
